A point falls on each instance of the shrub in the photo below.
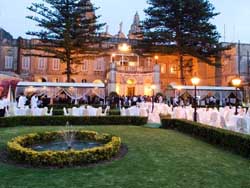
(61, 106)
(19, 150)
(58, 112)
(114, 112)
(236, 142)
(61, 120)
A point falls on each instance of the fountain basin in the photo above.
(62, 146)
(25, 149)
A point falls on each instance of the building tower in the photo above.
(135, 28)
(120, 34)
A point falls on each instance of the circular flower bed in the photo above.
(19, 149)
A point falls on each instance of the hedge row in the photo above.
(19, 149)
(233, 141)
(112, 112)
(61, 106)
(58, 112)
(61, 120)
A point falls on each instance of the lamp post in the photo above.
(153, 93)
(236, 83)
(105, 90)
(113, 58)
(156, 59)
(195, 81)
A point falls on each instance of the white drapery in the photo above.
(73, 93)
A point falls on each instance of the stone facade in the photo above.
(124, 71)
(8, 52)
(236, 62)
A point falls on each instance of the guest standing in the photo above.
(22, 101)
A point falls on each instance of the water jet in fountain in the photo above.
(68, 135)
(68, 142)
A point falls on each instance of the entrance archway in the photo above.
(131, 87)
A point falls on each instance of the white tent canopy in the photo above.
(60, 84)
(202, 91)
(75, 91)
(212, 88)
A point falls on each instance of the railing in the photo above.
(134, 69)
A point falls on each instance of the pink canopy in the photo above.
(6, 81)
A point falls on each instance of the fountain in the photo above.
(63, 148)
(67, 141)
(68, 135)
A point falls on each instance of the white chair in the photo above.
(92, 111)
(105, 111)
(127, 112)
(50, 113)
(70, 111)
(99, 111)
(11, 110)
(85, 112)
(65, 112)
(123, 112)
(232, 123)
(134, 111)
(28, 112)
(19, 111)
(214, 119)
(189, 114)
(44, 111)
(36, 112)
(154, 118)
(222, 122)
(241, 125)
(143, 112)
(75, 111)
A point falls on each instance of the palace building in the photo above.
(120, 68)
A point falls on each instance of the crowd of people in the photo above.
(33, 101)
(115, 101)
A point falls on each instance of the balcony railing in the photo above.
(134, 69)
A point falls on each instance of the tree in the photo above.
(182, 27)
(70, 29)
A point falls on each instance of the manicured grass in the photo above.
(157, 158)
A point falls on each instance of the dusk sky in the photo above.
(235, 15)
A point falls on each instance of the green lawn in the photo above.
(156, 158)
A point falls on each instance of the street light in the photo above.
(112, 58)
(195, 81)
(236, 83)
(156, 59)
(124, 47)
(153, 89)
